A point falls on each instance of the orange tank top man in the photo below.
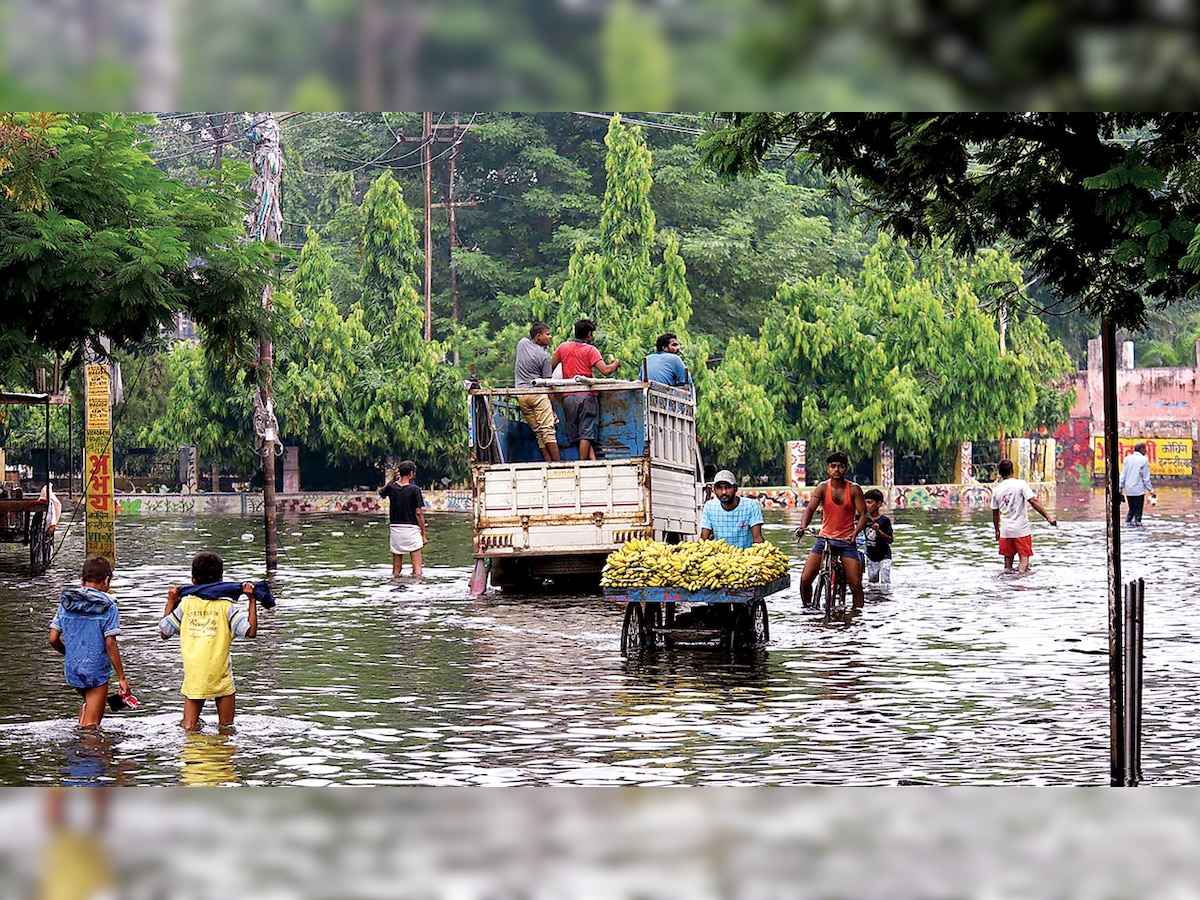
(843, 516)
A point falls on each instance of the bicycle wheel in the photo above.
(40, 544)
(839, 591)
(820, 594)
(633, 630)
(829, 583)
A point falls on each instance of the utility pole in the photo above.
(427, 166)
(433, 134)
(453, 230)
(265, 223)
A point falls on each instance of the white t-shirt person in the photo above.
(1011, 499)
(1011, 496)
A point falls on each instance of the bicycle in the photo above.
(830, 586)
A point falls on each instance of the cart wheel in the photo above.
(759, 629)
(633, 631)
(39, 544)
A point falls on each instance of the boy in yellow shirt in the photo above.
(206, 620)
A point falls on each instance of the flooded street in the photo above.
(959, 676)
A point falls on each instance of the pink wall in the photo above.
(1151, 402)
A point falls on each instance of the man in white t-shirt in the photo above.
(1011, 500)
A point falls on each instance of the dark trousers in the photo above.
(1135, 509)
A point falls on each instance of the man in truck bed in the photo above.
(581, 411)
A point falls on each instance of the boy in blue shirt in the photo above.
(84, 630)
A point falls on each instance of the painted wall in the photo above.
(1153, 402)
(252, 504)
(921, 496)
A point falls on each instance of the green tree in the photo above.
(115, 248)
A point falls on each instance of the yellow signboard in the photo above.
(99, 409)
(1167, 456)
(100, 509)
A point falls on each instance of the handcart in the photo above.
(733, 618)
(24, 521)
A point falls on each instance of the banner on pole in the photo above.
(100, 531)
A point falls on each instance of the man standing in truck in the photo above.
(581, 411)
(533, 361)
(665, 365)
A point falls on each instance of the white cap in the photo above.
(726, 476)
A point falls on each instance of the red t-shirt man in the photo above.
(581, 411)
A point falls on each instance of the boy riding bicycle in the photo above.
(843, 516)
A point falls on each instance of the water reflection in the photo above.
(956, 676)
(207, 759)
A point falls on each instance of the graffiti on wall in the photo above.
(941, 496)
(797, 463)
(1073, 462)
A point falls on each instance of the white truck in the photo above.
(537, 520)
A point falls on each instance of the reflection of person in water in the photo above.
(208, 760)
(75, 865)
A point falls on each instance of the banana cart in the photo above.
(24, 520)
(733, 618)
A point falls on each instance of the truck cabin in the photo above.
(499, 434)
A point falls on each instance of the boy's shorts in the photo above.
(879, 570)
(539, 416)
(1022, 546)
(844, 549)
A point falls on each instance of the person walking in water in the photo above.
(407, 517)
(1010, 517)
(1135, 483)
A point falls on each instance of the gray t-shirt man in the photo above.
(533, 361)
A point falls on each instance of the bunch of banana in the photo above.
(697, 565)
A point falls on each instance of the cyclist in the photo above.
(843, 516)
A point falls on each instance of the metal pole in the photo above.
(453, 230)
(70, 449)
(266, 223)
(47, 452)
(1129, 639)
(1112, 513)
(1138, 658)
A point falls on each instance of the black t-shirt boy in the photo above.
(877, 549)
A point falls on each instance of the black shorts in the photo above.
(581, 413)
(844, 549)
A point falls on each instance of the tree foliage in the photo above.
(96, 241)
(904, 353)
(1102, 206)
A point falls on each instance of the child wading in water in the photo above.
(206, 620)
(84, 631)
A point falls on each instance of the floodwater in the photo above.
(958, 676)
